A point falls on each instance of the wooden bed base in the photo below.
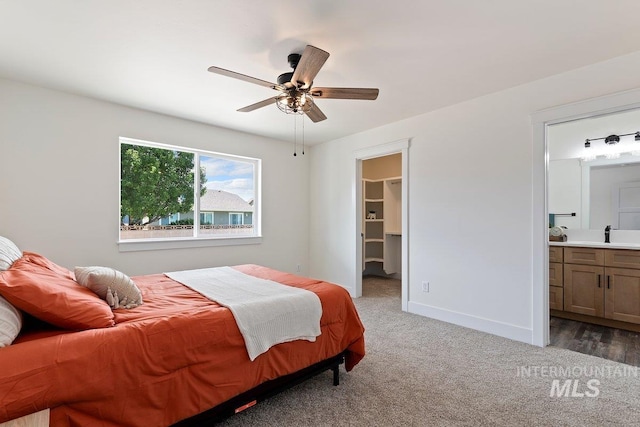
(264, 391)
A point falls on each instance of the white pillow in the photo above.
(113, 286)
(10, 322)
(9, 253)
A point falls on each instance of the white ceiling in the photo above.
(423, 55)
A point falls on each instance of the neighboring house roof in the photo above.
(218, 200)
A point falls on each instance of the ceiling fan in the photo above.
(296, 91)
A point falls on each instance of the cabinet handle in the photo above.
(599, 280)
(608, 282)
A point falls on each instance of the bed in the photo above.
(176, 359)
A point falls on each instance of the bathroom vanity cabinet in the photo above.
(595, 285)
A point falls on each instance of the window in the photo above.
(235, 218)
(206, 218)
(163, 199)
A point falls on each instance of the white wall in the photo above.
(471, 193)
(59, 183)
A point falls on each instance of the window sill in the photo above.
(192, 242)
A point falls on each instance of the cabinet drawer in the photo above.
(556, 277)
(587, 256)
(556, 298)
(556, 254)
(622, 258)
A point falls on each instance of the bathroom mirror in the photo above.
(590, 194)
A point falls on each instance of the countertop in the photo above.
(591, 244)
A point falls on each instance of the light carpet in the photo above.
(423, 372)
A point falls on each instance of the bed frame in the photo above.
(264, 391)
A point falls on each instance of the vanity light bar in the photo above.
(611, 139)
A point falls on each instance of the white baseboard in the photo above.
(505, 330)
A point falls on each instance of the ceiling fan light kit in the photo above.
(296, 91)
(294, 103)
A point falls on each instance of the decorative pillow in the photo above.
(115, 287)
(53, 298)
(9, 253)
(10, 323)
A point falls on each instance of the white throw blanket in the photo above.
(267, 313)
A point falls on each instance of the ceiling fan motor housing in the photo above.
(293, 60)
(285, 78)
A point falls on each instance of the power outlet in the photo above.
(425, 286)
(298, 268)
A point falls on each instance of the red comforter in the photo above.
(175, 356)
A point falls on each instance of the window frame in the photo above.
(128, 245)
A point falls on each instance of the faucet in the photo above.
(607, 233)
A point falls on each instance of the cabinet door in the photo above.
(583, 289)
(556, 298)
(622, 294)
(555, 274)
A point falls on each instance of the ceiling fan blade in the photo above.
(233, 74)
(315, 114)
(344, 93)
(311, 61)
(269, 101)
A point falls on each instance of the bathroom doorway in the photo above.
(591, 156)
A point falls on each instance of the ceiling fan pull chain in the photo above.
(295, 136)
(302, 118)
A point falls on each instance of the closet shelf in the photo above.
(382, 199)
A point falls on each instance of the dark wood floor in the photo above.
(600, 341)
